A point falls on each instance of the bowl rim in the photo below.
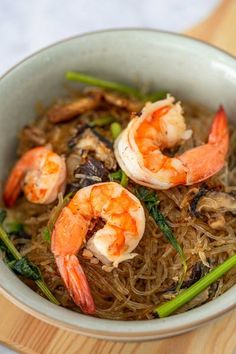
(111, 329)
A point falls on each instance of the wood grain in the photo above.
(220, 28)
(28, 335)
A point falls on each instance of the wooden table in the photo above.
(26, 334)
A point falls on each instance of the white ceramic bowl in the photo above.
(187, 68)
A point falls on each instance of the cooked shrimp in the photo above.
(161, 125)
(40, 173)
(124, 220)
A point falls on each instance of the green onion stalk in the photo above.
(110, 85)
(90, 80)
(40, 283)
(187, 295)
(115, 130)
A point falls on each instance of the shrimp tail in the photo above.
(13, 186)
(206, 160)
(75, 280)
(219, 130)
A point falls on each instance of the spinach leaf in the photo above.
(119, 176)
(3, 215)
(20, 264)
(151, 201)
(8, 257)
(46, 234)
(24, 267)
(14, 227)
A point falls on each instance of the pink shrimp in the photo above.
(124, 226)
(40, 173)
(161, 125)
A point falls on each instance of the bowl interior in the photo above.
(187, 68)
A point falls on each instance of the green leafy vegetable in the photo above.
(187, 295)
(102, 121)
(8, 257)
(115, 130)
(24, 267)
(14, 227)
(3, 215)
(151, 202)
(119, 176)
(156, 96)
(46, 234)
(62, 202)
(93, 81)
(5, 239)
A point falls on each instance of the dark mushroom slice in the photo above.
(214, 201)
(79, 131)
(90, 142)
(193, 205)
(198, 271)
(62, 112)
(91, 172)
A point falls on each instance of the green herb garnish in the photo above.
(151, 202)
(115, 130)
(102, 121)
(93, 81)
(14, 227)
(26, 268)
(119, 176)
(187, 295)
(156, 96)
(22, 265)
(47, 234)
(3, 215)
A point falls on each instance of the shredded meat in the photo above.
(130, 105)
(62, 112)
(31, 136)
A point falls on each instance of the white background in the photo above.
(28, 25)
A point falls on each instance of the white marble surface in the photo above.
(4, 350)
(28, 25)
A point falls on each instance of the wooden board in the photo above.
(26, 334)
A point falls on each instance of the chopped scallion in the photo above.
(115, 130)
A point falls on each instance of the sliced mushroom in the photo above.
(197, 272)
(214, 201)
(91, 172)
(90, 142)
(193, 205)
(62, 112)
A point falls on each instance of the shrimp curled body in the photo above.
(161, 125)
(124, 226)
(40, 173)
